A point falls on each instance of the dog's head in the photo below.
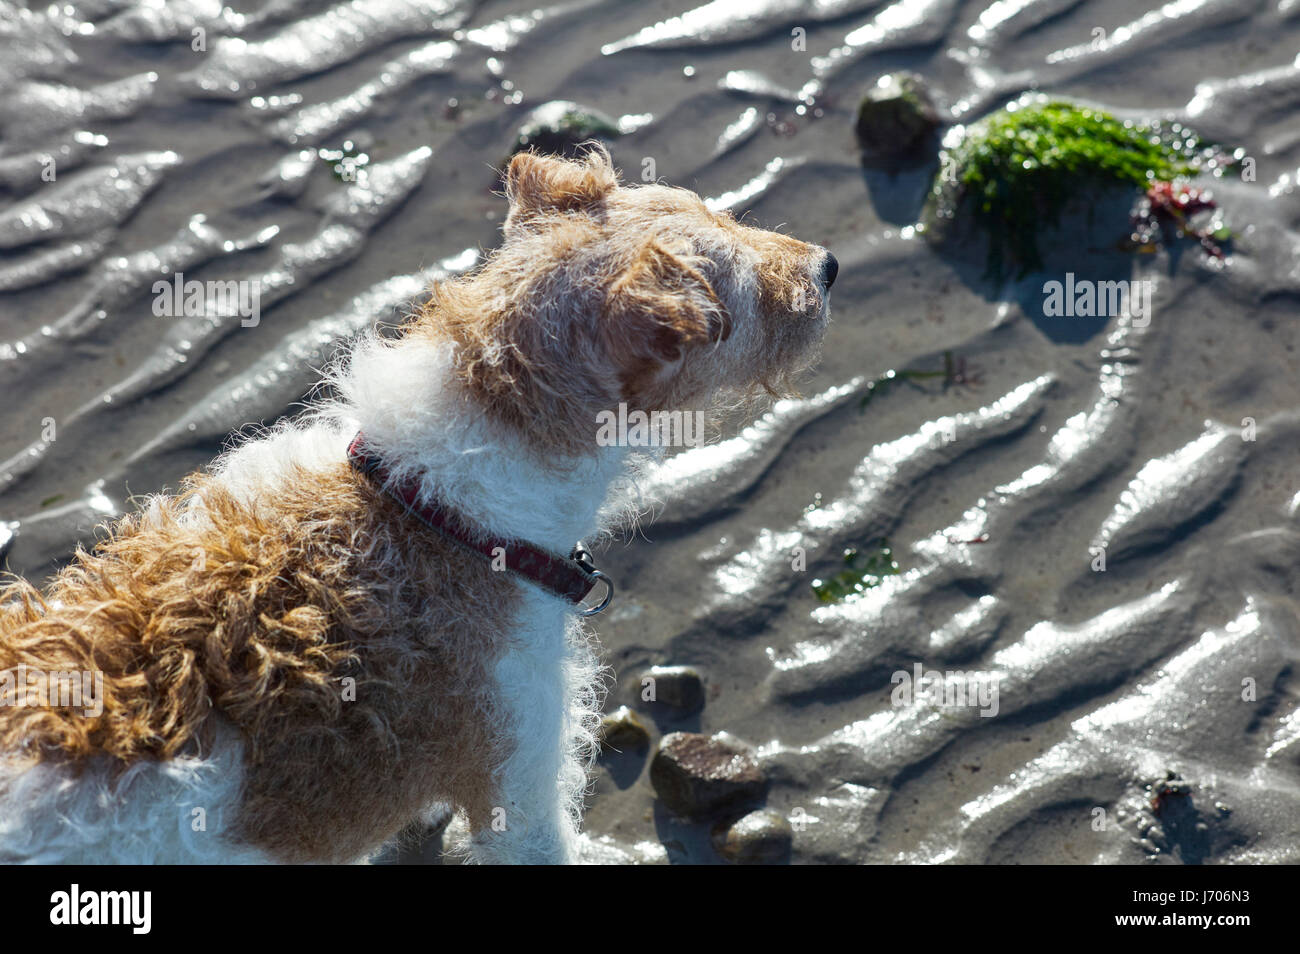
(604, 294)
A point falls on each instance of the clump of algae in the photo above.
(1016, 170)
(862, 571)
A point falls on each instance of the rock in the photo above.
(560, 126)
(1172, 786)
(696, 775)
(679, 687)
(762, 837)
(622, 730)
(895, 119)
(1042, 166)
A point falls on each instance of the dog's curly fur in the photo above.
(284, 647)
(205, 603)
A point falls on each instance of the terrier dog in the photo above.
(373, 610)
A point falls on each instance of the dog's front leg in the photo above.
(532, 823)
(549, 705)
(529, 828)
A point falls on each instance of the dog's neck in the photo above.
(407, 399)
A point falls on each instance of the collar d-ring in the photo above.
(609, 594)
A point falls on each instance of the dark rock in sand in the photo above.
(895, 120)
(696, 775)
(559, 127)
(762, 837)
(623, 730)
(679, 687)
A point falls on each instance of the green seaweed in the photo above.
(347, 163)
(953, 372)
(1017, 170)
(862, 571)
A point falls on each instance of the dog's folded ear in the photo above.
(536, 184)
(660, 305)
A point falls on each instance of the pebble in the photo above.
(762, 837)
(697, 776)
(895, 119)
(678, 687)
(623, 730)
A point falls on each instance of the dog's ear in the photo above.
(659, 306)
(536, 183)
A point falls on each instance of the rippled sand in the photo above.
(1075, 434)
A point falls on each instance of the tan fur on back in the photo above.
(262, 613)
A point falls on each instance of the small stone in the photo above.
(762, 837)
(623, 730)
(696, 775)
(560, 127)
(679, 687)
(1172, 787)
(895, 119)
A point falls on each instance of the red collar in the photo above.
(571, 578)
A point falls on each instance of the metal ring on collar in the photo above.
(609, 594)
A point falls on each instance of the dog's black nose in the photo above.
(830, 268)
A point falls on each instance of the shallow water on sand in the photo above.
(1073, 434)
